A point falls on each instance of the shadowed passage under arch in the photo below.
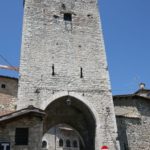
(71, 111)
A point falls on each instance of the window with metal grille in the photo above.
(60, 142)
(21, 136)
(44, 144)
(68, 144)
(75, 144)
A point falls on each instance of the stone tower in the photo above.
(64, 70)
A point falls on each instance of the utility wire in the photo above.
(7, 62)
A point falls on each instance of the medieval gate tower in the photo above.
(64, 70)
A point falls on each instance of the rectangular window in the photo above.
(3, 86)
(21, 136)
(67, 17)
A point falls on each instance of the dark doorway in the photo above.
(71, 111)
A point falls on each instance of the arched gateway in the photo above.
(63, 52)
(73, 112)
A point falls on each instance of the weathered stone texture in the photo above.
(134, 133)
(8, 95)
(132, 112)
(35, 125)
(68, 46)
(47, 42)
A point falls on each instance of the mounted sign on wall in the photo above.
(4, 146)
(104, 147)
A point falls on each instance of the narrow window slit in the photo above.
(81, 72)
(53, 70)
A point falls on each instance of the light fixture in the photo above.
(68, 101)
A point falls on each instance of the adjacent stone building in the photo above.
(8, 94)
(133, 120)
(22, 130)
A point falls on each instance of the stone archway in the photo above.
(71, 111)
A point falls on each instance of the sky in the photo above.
(126, 30)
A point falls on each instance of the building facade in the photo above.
(8, 94)
(63, 69)
(133, 120)
(64, 100)
(22, 130)
(132, 114)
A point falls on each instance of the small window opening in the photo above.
(61, 143)
(63, 6)
(44, 144)
(67, 17)
(81, 72)
(56, 17)
(68, 143)
(21, 136)
(75, 144)
(53, 70)
(90, 16)
(3, 86)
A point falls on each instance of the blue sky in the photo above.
(126, 29)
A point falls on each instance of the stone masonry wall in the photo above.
(7, 133)
(134, 133)
(8, 94)
(61, 57)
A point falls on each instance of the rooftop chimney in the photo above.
(142, 86)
